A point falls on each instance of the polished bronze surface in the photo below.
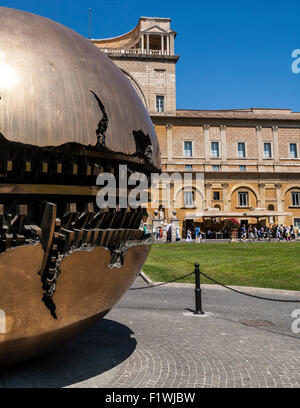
(67, 114)
(87, 288)
(50, 79)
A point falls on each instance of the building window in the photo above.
(188, 199)
(242, 168)
(293, 150)
(215, 149)
(243, 199)
(241, 149)
(216, 167)
(295, 199)
(267, 151)
(271, 207)
(160, 103)
(296, 222)
(188, 149)
(188, 167)
(216, 195)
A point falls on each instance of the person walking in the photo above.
(188, 236)
(169, 234)
(250, 234)
(197, 233)
(278, 233)
(243, 233)
(260, 234)
(270, 233)
(177, 234)
(157, 234)
(282, 232)
(292, 232)
(288, 234)
(255, 234)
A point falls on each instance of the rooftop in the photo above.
(249, 113)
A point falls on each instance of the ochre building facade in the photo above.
(243, 163)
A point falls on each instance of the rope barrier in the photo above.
(221, 284)
(249, 294)
(218, 283)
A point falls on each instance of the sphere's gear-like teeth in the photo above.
(83, 231)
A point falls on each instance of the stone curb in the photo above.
(146, 278)
(248, 289)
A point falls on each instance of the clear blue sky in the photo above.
(233, 54)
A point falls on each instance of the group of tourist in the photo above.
(278, 232)
(159, 234)
(251, 233)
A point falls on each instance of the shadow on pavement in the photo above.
(97, 350)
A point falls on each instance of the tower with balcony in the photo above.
(147, 56)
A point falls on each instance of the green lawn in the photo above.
(265, 265)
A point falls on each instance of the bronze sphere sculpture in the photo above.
(67, 114)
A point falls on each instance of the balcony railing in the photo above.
(133, 51)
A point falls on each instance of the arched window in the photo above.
(271, 207)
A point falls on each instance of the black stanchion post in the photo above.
(198, 310)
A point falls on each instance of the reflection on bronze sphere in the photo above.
(47, 73)
(67, 114)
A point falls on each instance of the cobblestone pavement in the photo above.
(166, 347)
(189, 351)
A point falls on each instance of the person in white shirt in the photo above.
(188, 236)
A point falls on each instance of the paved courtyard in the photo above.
(152, 340)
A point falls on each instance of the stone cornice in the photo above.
(141, 57)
